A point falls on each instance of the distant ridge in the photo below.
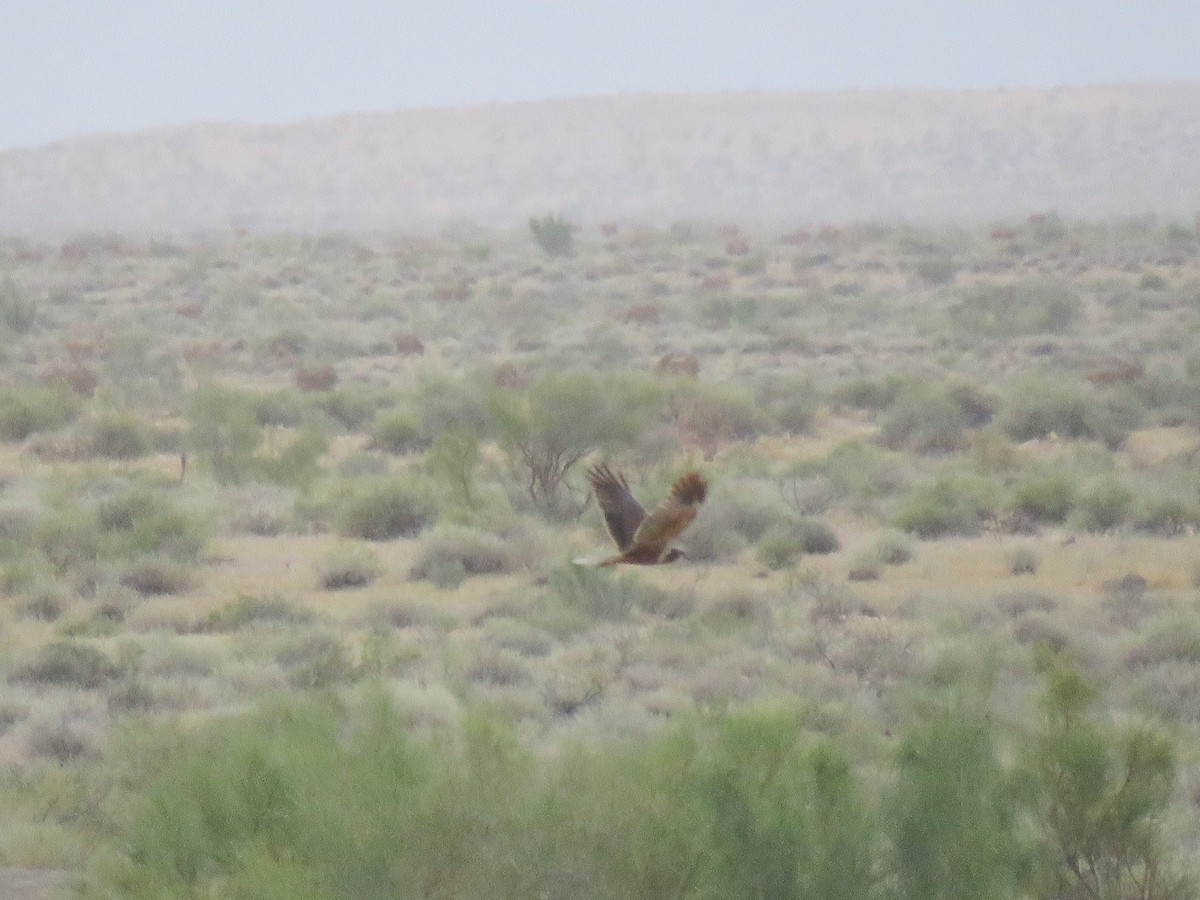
(751, 157)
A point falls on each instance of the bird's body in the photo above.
(645, 540)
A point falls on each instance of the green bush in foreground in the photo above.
(315, 800)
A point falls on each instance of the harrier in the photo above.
(645, 540)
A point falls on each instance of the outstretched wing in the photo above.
(657, 531)
(622, 513)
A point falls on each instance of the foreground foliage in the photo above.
(312, 799)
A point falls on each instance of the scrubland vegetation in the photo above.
(286, 523)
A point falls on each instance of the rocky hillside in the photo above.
(769, 157)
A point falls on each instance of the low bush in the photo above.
(30, 408)
(397, 433)
(471, 550)
(69, 663)
(1102, 506)
(385, 508)
(954, 504)
(1006, 310)
(1045, 496)
(347, 567)
(1042, 407)
(248, 610)
(156, 575)
(118, 435)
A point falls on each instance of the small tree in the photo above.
(1100, 794)
(553, 234)
(224, 432)
(556, 423)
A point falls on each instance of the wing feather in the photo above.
(672, 517)
(622, 513)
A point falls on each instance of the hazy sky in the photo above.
(69, 67)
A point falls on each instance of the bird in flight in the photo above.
(645, 540)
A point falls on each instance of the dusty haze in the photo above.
(755, 157)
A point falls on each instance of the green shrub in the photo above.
(783, 543)
(1045, 496)
(553, 233)
(598, 593)
(316, 662)
(118, 435)
(1099, 797)
(1040, 407)
(31, 408)
(397, 433)
(69, 663)
(248, 610)
(471, 550)
(787, 818)
(954, 814)
(18, 311)
(382, 509)
(934, 419)
(1006, 310)
(1102, 506)
(954, 504)
(778, 547)
(561, 419)
(224, 431)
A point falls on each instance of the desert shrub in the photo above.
(1102, 506)
(782, 543)
(118, 435)
(738, 512)
(1166, 515)
(380, 509)
(1039, 407)
(598, 593)
(318, 377)
(286, 408)
(397, 432)
(454, 457)
(787, 818)
(28, 409)
(224, 431)
(711, 416)
(778, 547)
(472, 551)
(248, 610)
(352, 409)
(936, 269)
(1100, 793)
(791, 403)
(856, 471)
(553, 234)
(1045, 496)
(934, 419)
(69, 663)
(1006, 310)
(135, 522)
(347, 567)
(954, 814)
(870, 392)
(156, 575)
(558, 421)
(317, 661)
(954, 504)
(18, 311)
(1024, 561)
